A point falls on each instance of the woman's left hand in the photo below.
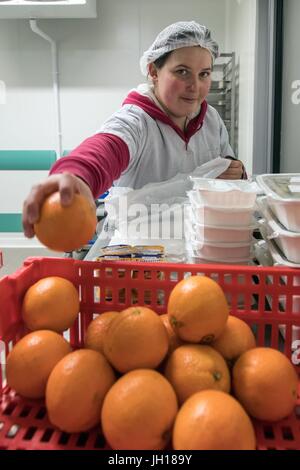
(234, 171)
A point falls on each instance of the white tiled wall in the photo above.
(99, 64)
(14, 186)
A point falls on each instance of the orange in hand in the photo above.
(52, 303)
(66, 228)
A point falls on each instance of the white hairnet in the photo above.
(175, 36)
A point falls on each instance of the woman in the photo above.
(162, 129)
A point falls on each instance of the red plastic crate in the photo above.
(254, 293)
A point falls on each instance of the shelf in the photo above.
(222, 93)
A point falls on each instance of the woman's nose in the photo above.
(193, 83)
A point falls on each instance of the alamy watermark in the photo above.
(296, 352)
(142, 221)
(296, 93)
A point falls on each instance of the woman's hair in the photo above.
(175, 36)
(160, 62)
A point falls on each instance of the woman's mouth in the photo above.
(190, 100)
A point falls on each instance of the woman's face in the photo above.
(183, 82)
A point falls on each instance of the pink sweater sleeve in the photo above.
(99, 161)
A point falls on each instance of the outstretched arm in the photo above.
(90, 169)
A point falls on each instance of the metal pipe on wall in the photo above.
(34, 27)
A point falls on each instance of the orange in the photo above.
(198, 309)
(213, 420)
(265, 383)
(139, 411)
(31, 361)
(52, 303)
(76, 389)
(97, 330)
(192, 368)
(65, 228)
(236, 338)
(174, 341)
(136, 339)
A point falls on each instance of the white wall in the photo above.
(240, 37)
(16, 249)
(98, 62)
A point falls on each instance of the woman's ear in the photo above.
(152, 72)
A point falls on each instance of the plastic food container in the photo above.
(217, 251)
(210, 233)
(277, 255)
(287, 241)
(220, 216)
(283, 197)
(267, 255)
(225, 193)
(193, 258)
(278, 259)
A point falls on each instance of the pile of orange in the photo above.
(192, 377)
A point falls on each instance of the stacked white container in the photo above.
(219, 221)
(280, 227)
(267, 254)
(280, 209)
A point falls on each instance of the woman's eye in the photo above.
(182, 72)
(204, 74)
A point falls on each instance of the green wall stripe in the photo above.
(11, 223)
(27, 159)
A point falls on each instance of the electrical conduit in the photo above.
(37, 30)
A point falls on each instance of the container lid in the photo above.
(284, 187)
(196, 204)
(278, 257)
(230, 228)
(219, 185)
(274, 225)
(200, 259)
(225, 245)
